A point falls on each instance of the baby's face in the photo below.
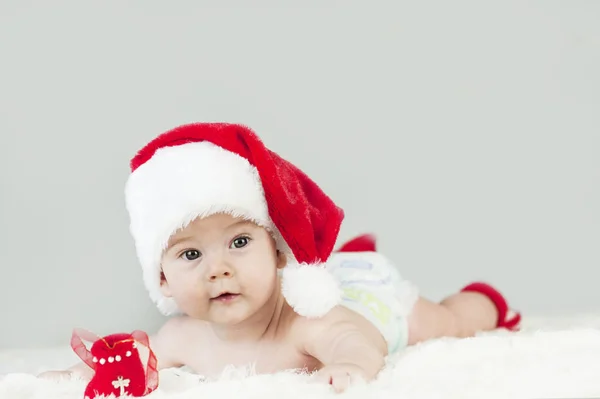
(221, 269)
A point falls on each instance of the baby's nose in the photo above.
(220, 274)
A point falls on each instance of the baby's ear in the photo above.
(164, 285)
(281, 259)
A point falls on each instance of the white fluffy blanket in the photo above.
(547, 359)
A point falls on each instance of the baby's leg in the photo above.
(477, 307)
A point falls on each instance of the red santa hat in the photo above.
(200, 169)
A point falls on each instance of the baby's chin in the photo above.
(229, 316)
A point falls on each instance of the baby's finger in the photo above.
(340, 381)
(322, 377)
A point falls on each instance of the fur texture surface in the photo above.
(548, 358)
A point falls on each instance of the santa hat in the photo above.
(200, 169)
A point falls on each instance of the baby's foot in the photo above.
(507, 318)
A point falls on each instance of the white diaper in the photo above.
(374, 288)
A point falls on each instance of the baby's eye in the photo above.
(240, 242)
(191, 254)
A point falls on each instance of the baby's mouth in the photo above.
(225, 297)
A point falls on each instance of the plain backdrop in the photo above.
(465, 135)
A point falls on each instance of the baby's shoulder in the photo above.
(173, 341)
(337, 320)
(318, 335)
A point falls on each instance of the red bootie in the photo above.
(507, 318)
(362, 243)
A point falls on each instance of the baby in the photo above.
(237, 245)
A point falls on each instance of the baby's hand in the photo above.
(341, 376)
(79, 371)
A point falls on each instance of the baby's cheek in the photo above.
(262, 286)
(192, 302)
(186, 289)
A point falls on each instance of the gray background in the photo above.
(465, 135)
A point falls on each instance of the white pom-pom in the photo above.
(311, 290)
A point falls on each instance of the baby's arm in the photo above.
(346, 346)
(165, 344)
